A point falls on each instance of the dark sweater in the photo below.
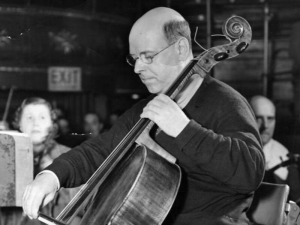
(219, 153)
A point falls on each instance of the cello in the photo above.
(138, 182)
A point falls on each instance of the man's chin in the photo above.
(265, 139)
(152, 90)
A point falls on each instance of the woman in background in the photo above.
(36, 118)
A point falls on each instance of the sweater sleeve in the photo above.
(228, 149)
(76, 166)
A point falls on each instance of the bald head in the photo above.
(260, 103)
(152, 25)
(264, 111)
(155, 19)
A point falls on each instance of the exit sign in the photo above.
(64, 78)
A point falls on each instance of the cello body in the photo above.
(141, 190)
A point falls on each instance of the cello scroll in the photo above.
(238, 31)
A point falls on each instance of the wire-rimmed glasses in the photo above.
(148, 59)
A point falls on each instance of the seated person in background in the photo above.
(275, 153)
(63, 126)
(36, 118)
(92, 124)
(209, 128)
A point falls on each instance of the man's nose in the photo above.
(139, 66)
(261, 126)
(265, 123)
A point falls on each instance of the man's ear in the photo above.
(183, 48)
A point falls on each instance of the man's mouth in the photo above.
(265, 133)
(35, 131)
(148, 79)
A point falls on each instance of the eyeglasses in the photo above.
(144, 56)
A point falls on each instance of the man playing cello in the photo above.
(209, 128)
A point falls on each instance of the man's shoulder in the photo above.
(223, 95)
(220, 87)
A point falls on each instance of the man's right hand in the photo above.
(39, 193)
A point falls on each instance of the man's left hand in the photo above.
(166, 114)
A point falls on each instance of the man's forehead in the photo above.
(264, 111)
(262, 105)
(146, 41)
